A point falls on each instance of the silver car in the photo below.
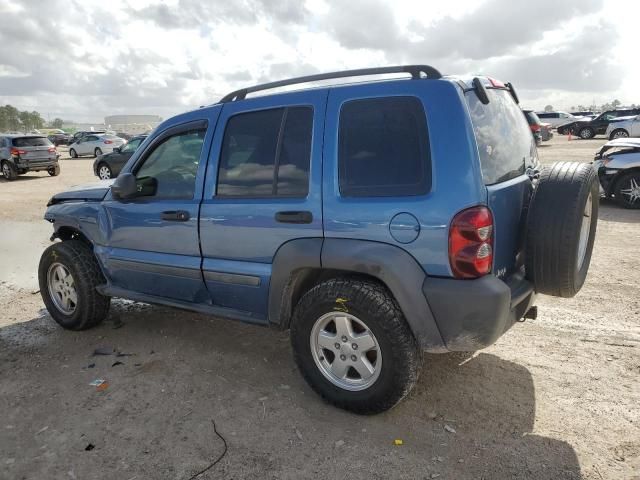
(20, 154)
(618, 167)
(624, 127)
(95, 145)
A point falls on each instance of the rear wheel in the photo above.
(97, 152)
(561, 228)
(586, 133)
(353, 345)
(73, 153)
(619, 133)
(104, 172)
(627, 190)
(54, 171)
(68, 275)
(9, 171)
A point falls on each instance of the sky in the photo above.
(82, 60)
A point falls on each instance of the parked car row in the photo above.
(541, 131)
(590, 127)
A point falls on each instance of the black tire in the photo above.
(625, 190)
(9, 171)
(618, 133)
(586, 133)
(97, 152)
(374, 305)
(553, 262)
(91, 308)
(54, 171)
(108, 169)
(73, 153)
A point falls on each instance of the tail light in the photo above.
(535, 128)
(108, 142)
(52, 150)
(17, 152)
(471, 243)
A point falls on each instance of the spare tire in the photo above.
(561, 228)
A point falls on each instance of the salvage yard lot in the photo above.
(556, 397)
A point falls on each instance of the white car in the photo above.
(624, 127)
(95, 145)
(558, 118)
(618, 166)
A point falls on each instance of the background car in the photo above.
(624, 127)
(618, 166)
(557, 118)
(109, 165)
(83, 133)
(95, 145)
(534, 125)
(598, 126)
(545, 131)
(20, 154)
(60, 138)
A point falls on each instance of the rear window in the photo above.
(383, 148)
(31, 142)
(505, 143)
(532, 118)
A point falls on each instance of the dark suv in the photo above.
(20, 154)
(598, 126)
(375, 220)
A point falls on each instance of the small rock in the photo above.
(432, 415)
(461, 460)
(298, 434)
(364, 430)
(435, 475)
(339, 443)
(440, 459)
(449, 429)
(262, 399)
(285, 387)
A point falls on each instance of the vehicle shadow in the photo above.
(26, 177)
(469, 417)
(612, 212)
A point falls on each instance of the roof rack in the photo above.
(414, 70)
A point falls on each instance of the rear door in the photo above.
(263, 189)
(507, 152)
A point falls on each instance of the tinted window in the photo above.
(383, 148)
(132, 145)
(170, 170)
(266, 153)
(31, 142)
(504, 139)
(532, 118)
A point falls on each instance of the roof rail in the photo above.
(414, 70)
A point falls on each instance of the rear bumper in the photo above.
(473, 314)
(36, 164)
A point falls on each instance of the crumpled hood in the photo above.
(92, 192)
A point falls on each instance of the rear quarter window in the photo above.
(505, 143)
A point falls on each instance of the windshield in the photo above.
(31, 142)
(504, 140)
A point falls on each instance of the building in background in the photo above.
(132, 124)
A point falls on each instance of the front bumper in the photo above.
(473, 314)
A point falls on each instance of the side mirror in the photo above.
(117, 149)
(124, 186)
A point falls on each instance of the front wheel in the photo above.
(619, 133)
(627, 190)
(353, 346)
(73, 153)
(104, 172)
(68, 275)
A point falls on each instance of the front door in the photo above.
(263, 189)
(153, 245)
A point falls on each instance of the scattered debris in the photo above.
(116, 363)
(91, 365)
(298, 434)
(121, 354)
(262, 399)
(449, 429)
(435, 475)
(432, 415)
(398, 442)
(43, 429)
(339, 443)
(89, 447)
(212, 464)
(35, 292)
(285, 387)
(97, 382)
(103, 351)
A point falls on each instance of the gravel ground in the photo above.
(555, 398)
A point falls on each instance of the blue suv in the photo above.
(375, 221)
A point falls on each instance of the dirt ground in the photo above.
(555, 398)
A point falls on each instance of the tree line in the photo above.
(593, 108)
(14, 120)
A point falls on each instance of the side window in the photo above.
(131, 146)
(383, 148)
(170, 170)
(266, 154)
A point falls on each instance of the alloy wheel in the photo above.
(632, 192)
(62, 288)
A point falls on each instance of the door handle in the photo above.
(294, 217)
(175, 215)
